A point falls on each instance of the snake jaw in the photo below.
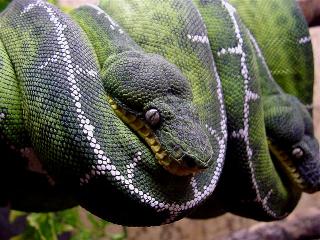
(288, 167)
(175, 166)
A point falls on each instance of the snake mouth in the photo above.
(175, 167)
(286, 164)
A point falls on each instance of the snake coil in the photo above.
(136, 109)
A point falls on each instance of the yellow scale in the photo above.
(144, 131)
(149, 137)
(287, 164)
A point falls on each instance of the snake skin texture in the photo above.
(142, 111)
(267, 193)
(100, 27)
(292, 64)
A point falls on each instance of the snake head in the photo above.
(155, 100)
(292, 142)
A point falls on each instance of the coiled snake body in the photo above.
(126, 109)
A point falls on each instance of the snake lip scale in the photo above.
(288, 167)
(145, 111)
(177, 167)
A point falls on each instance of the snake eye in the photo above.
(152, 116)
(297, 153)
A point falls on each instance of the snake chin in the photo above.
(180, 166)
(176, 168)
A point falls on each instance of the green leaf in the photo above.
(48, 226)
(118, 236)
(44, 226)
(55, 2)
(3, 4)
(83, 234)
(15, 214)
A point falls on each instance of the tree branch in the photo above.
(311, 10)
(304, 226)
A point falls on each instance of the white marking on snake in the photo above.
(208, 189)
(113, 24)
(264, 63)
(232, 50)
(2, 116)
(198, 38)
(29, 7)
(249, 96)
(194, 187)
(219, 136)
(258, 50)
(266, 198)
(131, 167)
(103, 164)
(222, 139)
(304, 40)
(52, 59)
(85, 123)
(223, 123)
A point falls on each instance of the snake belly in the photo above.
(78, 138)
(255, 186)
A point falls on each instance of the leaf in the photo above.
(118, 236)
(54, 2)
(15, 214)
(83, 234)
(44, 225)
(3, 4)
(19, 237)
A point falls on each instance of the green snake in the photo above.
(132, 109)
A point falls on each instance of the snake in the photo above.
(145, 112)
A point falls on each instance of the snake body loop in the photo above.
(78, 137)
(132, 109)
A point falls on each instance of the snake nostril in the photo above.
(189, 161)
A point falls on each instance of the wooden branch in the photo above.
(304, 226)
(311, 10)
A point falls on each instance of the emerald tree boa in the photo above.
(144, 112)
